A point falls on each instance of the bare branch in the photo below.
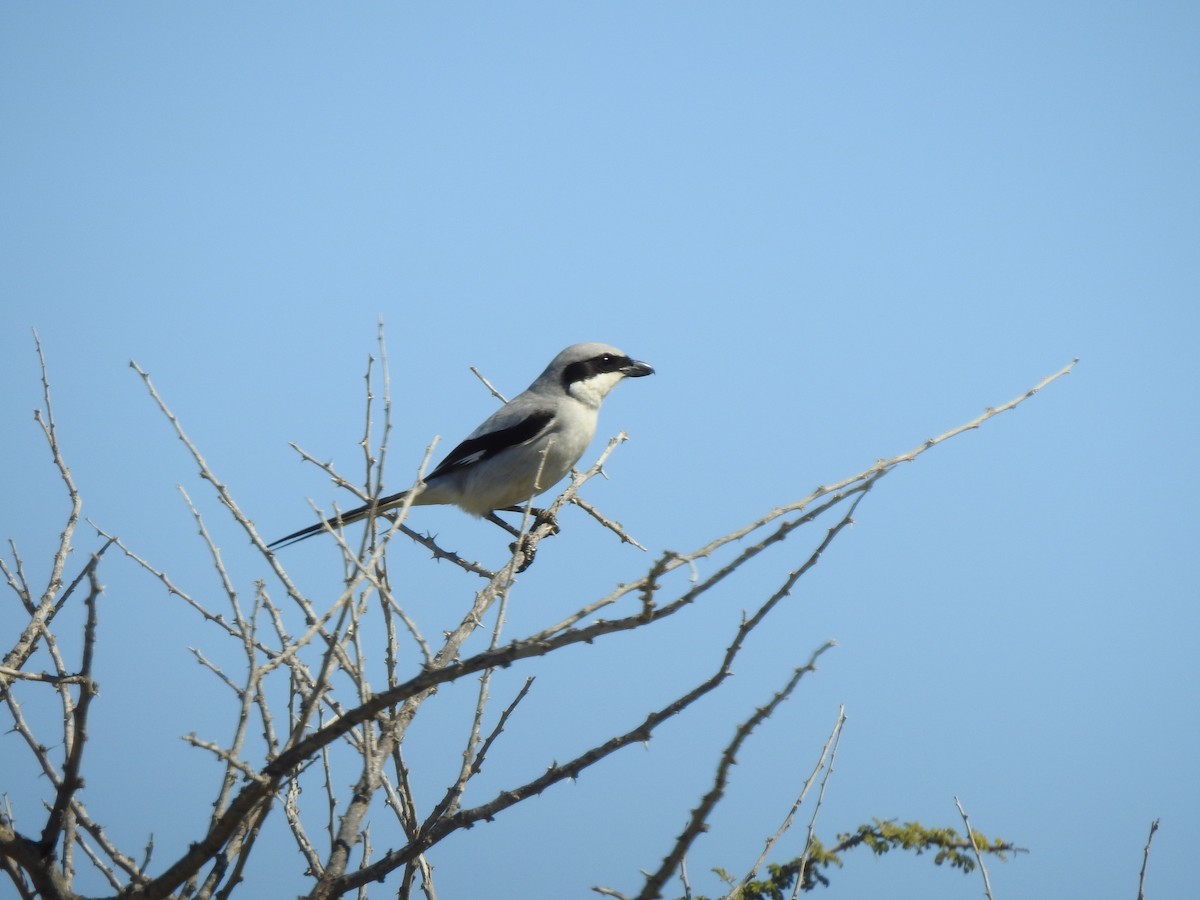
(50, 430)
(325, 666)
(44, 677)
(477, 764)
(47, 608)
(487, 384)
(831, 746)
(987, 885)
(439, 554)
(224, 755)
(611, 524)
(71, 780)
(1146, 860)
(609, 892)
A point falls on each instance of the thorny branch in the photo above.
(1141, 894)
(330, 701)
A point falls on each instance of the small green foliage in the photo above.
(880, 837)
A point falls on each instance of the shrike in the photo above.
(523, 448)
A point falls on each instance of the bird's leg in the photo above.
(540, 516)
(496, 520)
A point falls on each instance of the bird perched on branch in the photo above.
(523, 448)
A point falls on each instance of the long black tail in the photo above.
(346, 518)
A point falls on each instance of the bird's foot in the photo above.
(526, 543)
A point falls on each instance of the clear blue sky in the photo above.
(834, 229)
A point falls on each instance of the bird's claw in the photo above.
(526, 544)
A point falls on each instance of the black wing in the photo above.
(477, 449)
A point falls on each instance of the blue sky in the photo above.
(834, 229)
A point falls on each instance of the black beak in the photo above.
(636, 369)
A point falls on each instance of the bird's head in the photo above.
(589, 371)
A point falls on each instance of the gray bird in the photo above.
(544, 429)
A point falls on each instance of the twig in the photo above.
(16, 578)
(45, 677)
(831, 746)
(71, 780)
(477, 763)
(400, 796)
(487, 384)
(439, 554)
(1145, 860)
(391, 608)
(987, 885)
(385, 440)
(224, 755)
(50, 430)
(611, 524)
(365, 443)
(831, 751)
(106, 870)
(242, 856)
(291, 811)
(328, 469)
(216, 670)
(46, 609)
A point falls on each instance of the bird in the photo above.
(522, 449)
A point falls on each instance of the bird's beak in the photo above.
(636, 369)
